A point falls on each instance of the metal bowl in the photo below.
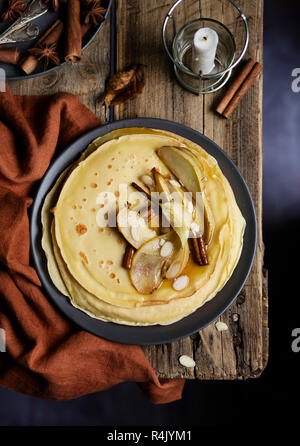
(13, 72)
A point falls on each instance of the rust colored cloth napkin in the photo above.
(47, 355)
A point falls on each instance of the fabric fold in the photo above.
(46, 354)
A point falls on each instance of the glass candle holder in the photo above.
(179, 44)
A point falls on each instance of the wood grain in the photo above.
(241, 351)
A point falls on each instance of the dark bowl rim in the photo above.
(30, 76)
(139, 335)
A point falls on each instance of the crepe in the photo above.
(86, 264)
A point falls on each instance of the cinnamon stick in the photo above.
(239, 88)
(73, 45)
(128, 257)
(9, 55)
(202, 249)
(235, 86)
(29, 62)
(195, 250)
(198, 249)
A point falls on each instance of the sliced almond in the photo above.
(187, 361)
(180, 283)
(167, 249)
(175, 183)
(221, 326)
(147, 180)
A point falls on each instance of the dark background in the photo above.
(274, 395)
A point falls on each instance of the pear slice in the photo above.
(197, 223)
(172, 189)
(183, 167)
(162, 188)
(161, 185)
(179, 263)
(179, 208)
(179, 219)
(134, 228)
(173, 210)
(153, 260)
(209, 224)
(187, 168)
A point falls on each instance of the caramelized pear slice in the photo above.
(161, 185)
(170, 189)
(187, 168)
(179, 219)
(209, 224)
(183, 167)
(179, 262)
(178, 207)
(152, 261)
(172, 209)
(134, 228)
(177, 191)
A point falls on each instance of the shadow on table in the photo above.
(203, 403)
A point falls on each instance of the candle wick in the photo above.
(205, 37)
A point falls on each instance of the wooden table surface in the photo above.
(135, 37)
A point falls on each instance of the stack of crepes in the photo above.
(85, 257)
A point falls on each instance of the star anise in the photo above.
(93, 12)
(14, 9)
(47, 53)
(54, 4)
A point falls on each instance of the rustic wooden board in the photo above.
(242, 351)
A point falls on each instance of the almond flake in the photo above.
(187, 361)
(180, 283)
(166, 249)
(174, 183)
(221, 326)
(147, 180)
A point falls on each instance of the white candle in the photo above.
(204, 50)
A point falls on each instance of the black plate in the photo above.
(13, 72)
(208, 312)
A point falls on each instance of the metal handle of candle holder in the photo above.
(207, 76)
